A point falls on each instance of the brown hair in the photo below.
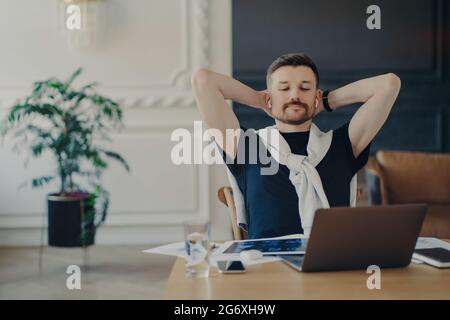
(292, 59)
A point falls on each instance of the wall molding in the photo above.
(152, 105)
(195, 46)
(159, 100)
(201, 192)
(173, 92)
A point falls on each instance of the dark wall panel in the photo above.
(414, 43)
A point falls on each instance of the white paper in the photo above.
(177, 249)
(416, 261)
(425, 243)
(173, 249)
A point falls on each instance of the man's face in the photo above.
(293, 93)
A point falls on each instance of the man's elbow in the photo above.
(200, 77)
(393, 82)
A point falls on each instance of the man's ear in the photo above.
(319, 94)
(268, 100)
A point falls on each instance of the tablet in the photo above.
(266, 246)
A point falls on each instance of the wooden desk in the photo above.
(276, 280)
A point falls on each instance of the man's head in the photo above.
(293, 87)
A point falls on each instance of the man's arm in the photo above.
(211, 90)
(378, 95)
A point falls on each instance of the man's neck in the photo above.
(285, 127)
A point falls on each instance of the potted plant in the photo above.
(71, 125)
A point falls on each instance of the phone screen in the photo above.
(231, 266)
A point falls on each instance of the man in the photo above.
(293, 99)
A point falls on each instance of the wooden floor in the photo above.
(122, 272)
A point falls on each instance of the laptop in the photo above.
(344, 238)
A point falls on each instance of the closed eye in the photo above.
(286, 89)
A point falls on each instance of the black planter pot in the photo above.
(71, 219)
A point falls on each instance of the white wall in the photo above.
(144, 59)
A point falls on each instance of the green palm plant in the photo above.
(72, 125)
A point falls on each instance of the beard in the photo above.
(295, 113)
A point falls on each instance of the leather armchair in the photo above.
(395, 177)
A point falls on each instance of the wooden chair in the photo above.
(225, 195)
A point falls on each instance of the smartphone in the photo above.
(231, 266)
